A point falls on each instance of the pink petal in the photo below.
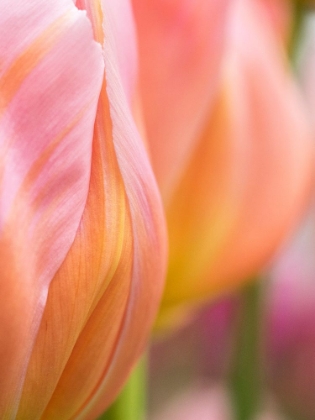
(180, 48)
(282, 151)
(121, 22)
(50, 79)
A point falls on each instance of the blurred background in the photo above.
(193, 370)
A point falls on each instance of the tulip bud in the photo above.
(235, 183)
(82, 241)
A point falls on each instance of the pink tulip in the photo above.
(236, 161)
(82, 243)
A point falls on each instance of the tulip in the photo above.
(82, 245)
(234, 184)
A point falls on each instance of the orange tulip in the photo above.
(235, 183)
(82, 241)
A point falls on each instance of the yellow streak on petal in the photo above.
(96, 15)
(214, 178)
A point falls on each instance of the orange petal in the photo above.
(50, 78)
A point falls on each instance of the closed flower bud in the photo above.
(82, 241)
(235, 161)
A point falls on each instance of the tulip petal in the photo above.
(206, 203)
(252, 168)
(125, 46)
(282, 153)
(180, 49)
(103, 300)
(50, 76)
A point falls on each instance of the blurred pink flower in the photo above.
(198, 403)
(290, 312)
(208, 403)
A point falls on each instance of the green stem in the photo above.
(297, 30)
(246, 379)
(131, 403)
